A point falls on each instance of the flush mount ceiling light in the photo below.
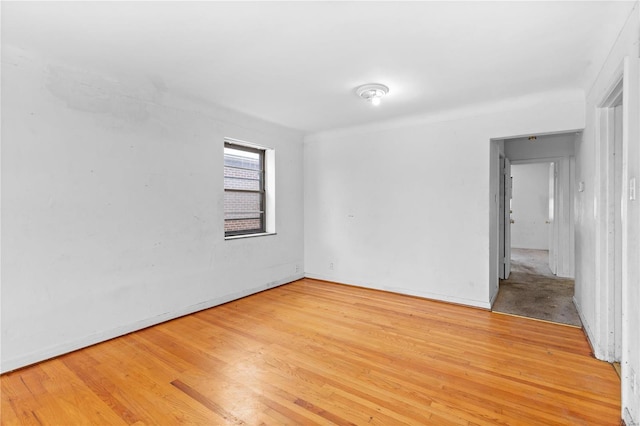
(372, 92)
(532, 138)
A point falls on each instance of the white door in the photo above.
(553, 252)
(508, 190)
(501, 217)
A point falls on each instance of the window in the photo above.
(244, 190)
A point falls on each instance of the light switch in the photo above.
(581, 186)
(632, 189)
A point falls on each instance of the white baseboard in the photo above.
(493, 299)
(587, 331)
(66, 347)
(408, 292)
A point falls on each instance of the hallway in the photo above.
(533, 291)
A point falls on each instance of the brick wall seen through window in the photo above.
(244, 190)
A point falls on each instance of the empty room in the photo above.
(302, 212)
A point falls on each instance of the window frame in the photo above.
(262, 191)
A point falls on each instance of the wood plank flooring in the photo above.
(313, 352)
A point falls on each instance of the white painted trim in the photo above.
(405, 291)
(240, 237)
(630, 273)
(63, 348)
(270, 190)
(239, 142)
(605, 320)
(269, 186)
(493, 299)
(587, 330)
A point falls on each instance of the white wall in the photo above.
(530, 205)
(406, 207)
(112, 200)
(589, 216)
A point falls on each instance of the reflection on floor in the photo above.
(533, 291)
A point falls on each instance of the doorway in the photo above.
(536, 210)
(533, 288)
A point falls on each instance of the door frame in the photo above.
(505, 193)
(610, 293)
(567, 165)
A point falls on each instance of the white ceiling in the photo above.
(298, 63)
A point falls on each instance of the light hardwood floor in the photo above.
(313, 352)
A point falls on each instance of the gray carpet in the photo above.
(533, 291)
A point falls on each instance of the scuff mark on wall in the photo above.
(122, 104)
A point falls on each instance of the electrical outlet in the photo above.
(331, 266)
(632, 380)
(297, 268)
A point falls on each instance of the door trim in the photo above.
(609, 327)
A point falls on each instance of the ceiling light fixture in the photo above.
(532, 138)
(372, 92)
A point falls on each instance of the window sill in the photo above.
(239, 237)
